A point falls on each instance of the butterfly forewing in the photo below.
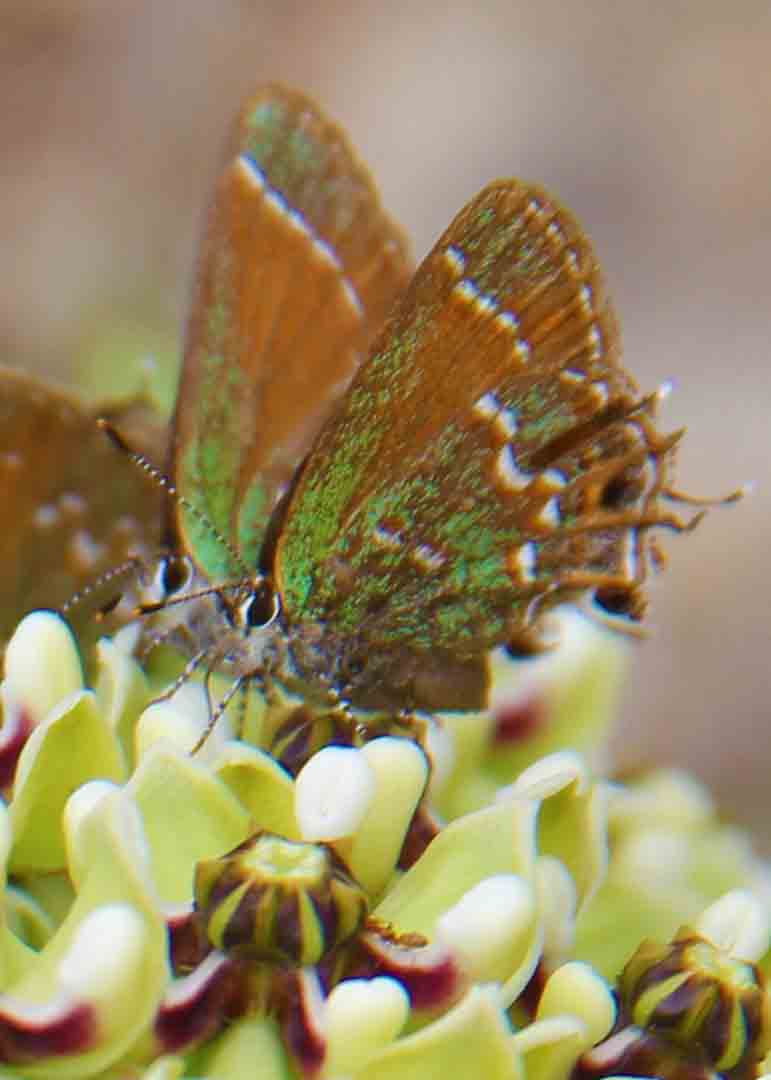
(72, 507)
(298, 268)
(487, 456)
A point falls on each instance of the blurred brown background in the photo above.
(652, 121)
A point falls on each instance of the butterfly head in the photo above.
(247, 604)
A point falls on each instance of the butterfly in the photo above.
(73, 509)
(378, 478)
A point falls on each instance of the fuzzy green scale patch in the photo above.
(265, 129)
(437, 609)
(313, 522)
(287, 153)
(253, 520)
(199, 464)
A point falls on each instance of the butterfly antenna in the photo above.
(155, 606)
(130, 565)
(163, 481)
(153, 641)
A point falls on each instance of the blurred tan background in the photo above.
(652, 121)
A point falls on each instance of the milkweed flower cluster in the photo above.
(469, 897)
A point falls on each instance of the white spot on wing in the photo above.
(352, 297)
(509, 475)
(549, 515)
(45, 516)
(599, 391)
(85, 551)
(250, 170)
(571, 376)
(324, 250)
(506, 423)
(487, 406)
(522, 562)
(126, 524)
(387, 539)
(72, 503)
(554, 479)
(276, 201)
(595, 337)
(508, 322)
(456, 260)
(426, 558)
(297, 221)
(468, 292)
(522, 349)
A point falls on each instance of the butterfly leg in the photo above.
(216, 713)
(184, 676)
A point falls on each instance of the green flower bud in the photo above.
(279, 900)
(688, 1008)
(699, 997)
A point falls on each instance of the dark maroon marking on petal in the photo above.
(16, 729)
(198, 1004)
(328, 915)
(287, 935)
(516, 722)
(422, 830)
(294, 737)
(188, 943)
(71, 1030)
(753, 1016)
(716, 1026)
(428, 973)
(304, 733)
(301, 1025)
(669, 1012)
(239, 931)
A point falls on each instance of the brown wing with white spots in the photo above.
(298, 269)
(72, 507)
(491, 457)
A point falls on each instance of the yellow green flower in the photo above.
(301, 896)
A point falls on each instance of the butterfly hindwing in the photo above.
(487, 457)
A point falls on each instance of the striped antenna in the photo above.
(163, 481)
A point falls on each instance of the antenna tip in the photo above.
(110, 431)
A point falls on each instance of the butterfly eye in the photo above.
(260, 608)
(174, 575)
